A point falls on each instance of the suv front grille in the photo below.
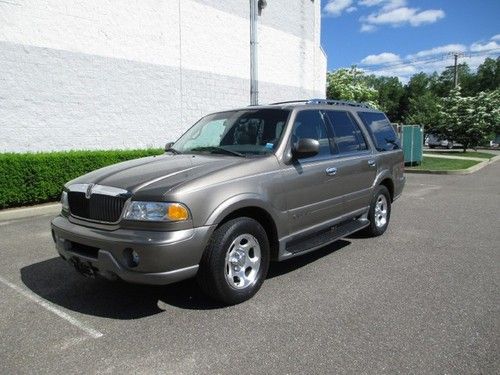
(98, 207)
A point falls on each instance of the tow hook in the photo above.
(84, 268)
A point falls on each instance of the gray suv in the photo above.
(240, 188)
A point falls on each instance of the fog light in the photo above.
(131, 257)
(135, 257)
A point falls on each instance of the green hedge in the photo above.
(39, 177)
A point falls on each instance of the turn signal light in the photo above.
(177, 212)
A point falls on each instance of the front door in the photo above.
(311, 186)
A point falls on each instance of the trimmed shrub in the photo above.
(31, 178)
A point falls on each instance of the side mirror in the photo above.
(168, 146)
(305, 147)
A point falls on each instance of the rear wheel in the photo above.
(380, 212)
(235, 262)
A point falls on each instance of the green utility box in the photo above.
(412, 141)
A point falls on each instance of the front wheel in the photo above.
(380, 212)
(235, 262)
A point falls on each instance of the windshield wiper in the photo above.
(218, 150)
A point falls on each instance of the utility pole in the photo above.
(456, 55)
(455, 79)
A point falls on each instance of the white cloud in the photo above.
(381, 58)
(351, 9)
(400, 16)
(439, 50)
(496, 37)
(384, 4)
(479, 47)
(365, 28)
(402, 72)
(393, 4)
(370, 3)
(427, 16)
(396, 13)
(336, 7)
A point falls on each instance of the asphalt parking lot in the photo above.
(423, 298)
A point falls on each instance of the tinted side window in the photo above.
(310, 124)
(347, 135)
(381, 131)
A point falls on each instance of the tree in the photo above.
(488, 75)
(445, 81)
(424, 110)
(415, 88)
(469, 120)
(390, 91)
(350, 84)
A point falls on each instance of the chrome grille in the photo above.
(98, 207)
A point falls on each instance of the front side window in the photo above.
(347, 135)
(243, 132)
(381, 131)
(310, 124)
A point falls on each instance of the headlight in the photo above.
(156, 211)
(64, 201)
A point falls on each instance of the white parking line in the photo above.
(48, 306)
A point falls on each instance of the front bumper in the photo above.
(163, 257)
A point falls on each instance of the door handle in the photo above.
(332, 171)
(371, 163)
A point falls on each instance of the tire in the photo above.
(378, 225)
(432, 146)
(235, 262)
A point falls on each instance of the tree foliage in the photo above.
(390, 90)
(429, 99)
(469, 119)
(350, 84)
(424, 110)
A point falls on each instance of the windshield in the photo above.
(238, 133)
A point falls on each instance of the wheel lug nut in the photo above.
(236, 268)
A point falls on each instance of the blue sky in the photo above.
(403, 37)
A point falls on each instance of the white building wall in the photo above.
(102, 74)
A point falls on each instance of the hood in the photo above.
(165, 170)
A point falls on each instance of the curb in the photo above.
(469, 170)
(31, 211)
(430, 155)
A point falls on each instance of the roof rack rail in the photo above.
(326, 101)
(338, 102)
(291, 101)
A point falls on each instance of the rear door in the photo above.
(354, 161)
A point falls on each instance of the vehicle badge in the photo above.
(88, 193)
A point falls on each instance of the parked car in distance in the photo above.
(240, 188)
(434, 140)
(495, 142)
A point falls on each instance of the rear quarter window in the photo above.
(383, 135)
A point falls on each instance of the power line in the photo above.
(434, 59)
